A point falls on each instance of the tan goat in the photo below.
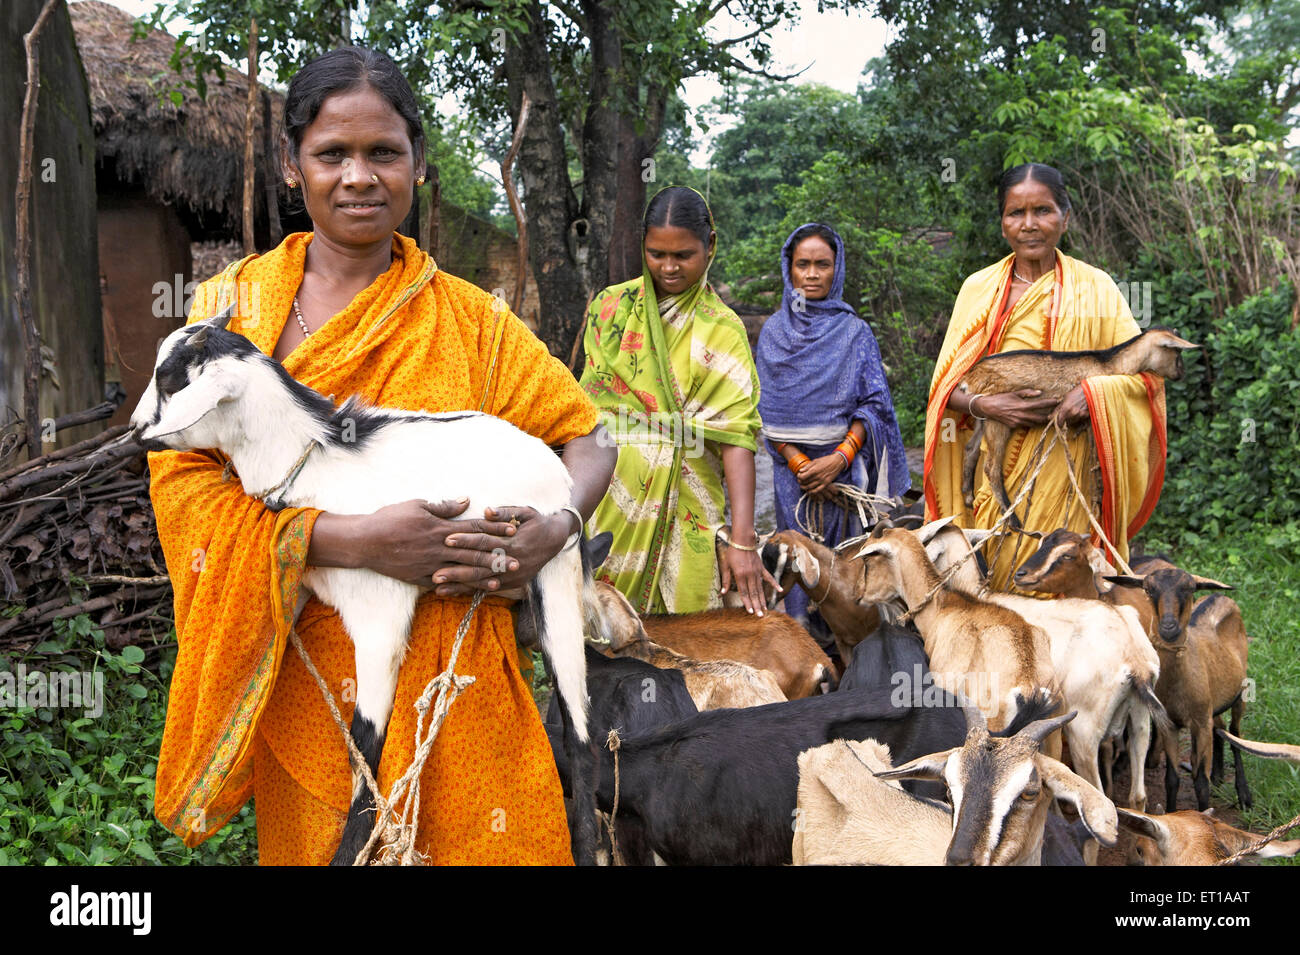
(849, 811)
(712, 684)
(965, 638)
(774, 642)
(1106, 667)
(1194, 838)
(1054, 374)
(1203, 650)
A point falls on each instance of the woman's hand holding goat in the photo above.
(419, 541)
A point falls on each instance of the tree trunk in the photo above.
(271, 175)
(601, 131)
(250, 117)
(635, 182)
(553, 213)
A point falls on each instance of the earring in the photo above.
(419, 181)
(291, 183)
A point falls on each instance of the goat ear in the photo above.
(1170, 340)
(1278, 849)
(806, 565)
(188, 406)
(923, 767)
(1096, 811)
(926, 533)
(1141, 823)
(1123, 580)
(598, 548)
(1208, 583)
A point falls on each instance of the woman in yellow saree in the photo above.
(353, 308)
(669, 367)
(1039, 298)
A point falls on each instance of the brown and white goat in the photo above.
(1203, 650)
(965, 638)
(712, 684)
(851, 813)
(774, 642)
(830, 579)
(1054, 374)
(1069, 564)
(1194, 838)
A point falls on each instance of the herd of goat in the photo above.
(733, 738)
(739, 741)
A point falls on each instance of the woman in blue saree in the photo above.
(828, 417)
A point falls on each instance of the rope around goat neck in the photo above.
(399, 833)
(952, 571)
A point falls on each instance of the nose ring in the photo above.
(373, 177)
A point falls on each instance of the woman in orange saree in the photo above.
(353, 308)
(1040, 298)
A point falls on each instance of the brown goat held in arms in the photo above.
(1054, 374)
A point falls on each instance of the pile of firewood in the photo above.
(77, 536)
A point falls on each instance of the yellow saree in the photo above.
(1075, 308)
(244, 717)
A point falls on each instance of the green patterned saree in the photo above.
(673, 381)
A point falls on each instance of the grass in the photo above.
(1265, 570)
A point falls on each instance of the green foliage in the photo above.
(1264, 567)
(77, 789)
(1234, 429)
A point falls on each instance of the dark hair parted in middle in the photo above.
(818, 229)
(1038, 172)
(341, 71)
(682, 208)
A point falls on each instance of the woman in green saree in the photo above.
(669, 368)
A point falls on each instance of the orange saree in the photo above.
(244, 717)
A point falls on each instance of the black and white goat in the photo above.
(213, 388)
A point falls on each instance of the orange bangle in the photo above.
(846, 448)
(798, 461)
(853, 439)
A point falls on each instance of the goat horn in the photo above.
(1039, 730)
(223, 317)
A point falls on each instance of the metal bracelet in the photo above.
(576, 535)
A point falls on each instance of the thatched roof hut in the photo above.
(188, 155)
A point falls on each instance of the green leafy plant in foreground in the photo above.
(78, 789)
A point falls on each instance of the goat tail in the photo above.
(1286, 751)
(1142, 690)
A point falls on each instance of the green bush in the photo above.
(1234, 424)
(77, 789)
